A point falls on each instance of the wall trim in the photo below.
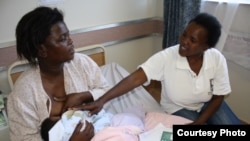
(107, 35)
(76, 31)
(111, 43)
(94, 28)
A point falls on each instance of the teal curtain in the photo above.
(177, 14)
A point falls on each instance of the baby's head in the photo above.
(46, 125)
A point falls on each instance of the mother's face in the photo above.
(193, 40)
(58, 46)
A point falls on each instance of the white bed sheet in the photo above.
(136, 97)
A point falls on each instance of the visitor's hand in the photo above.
(92, 107)
(76, 99)
(85, 135)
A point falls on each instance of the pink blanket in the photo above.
(131, 133)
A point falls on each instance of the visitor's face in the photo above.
(193, 40)
(59, 46)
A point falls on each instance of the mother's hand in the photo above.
(85, 135)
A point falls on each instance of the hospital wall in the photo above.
(97, 19)
(239, 99)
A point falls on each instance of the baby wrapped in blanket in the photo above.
(123, 126)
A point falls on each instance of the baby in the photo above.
(131, 117)
(69, 121)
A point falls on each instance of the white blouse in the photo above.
(181, 87)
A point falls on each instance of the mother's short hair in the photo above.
(32, 30)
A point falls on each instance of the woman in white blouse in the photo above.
(193, 74)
